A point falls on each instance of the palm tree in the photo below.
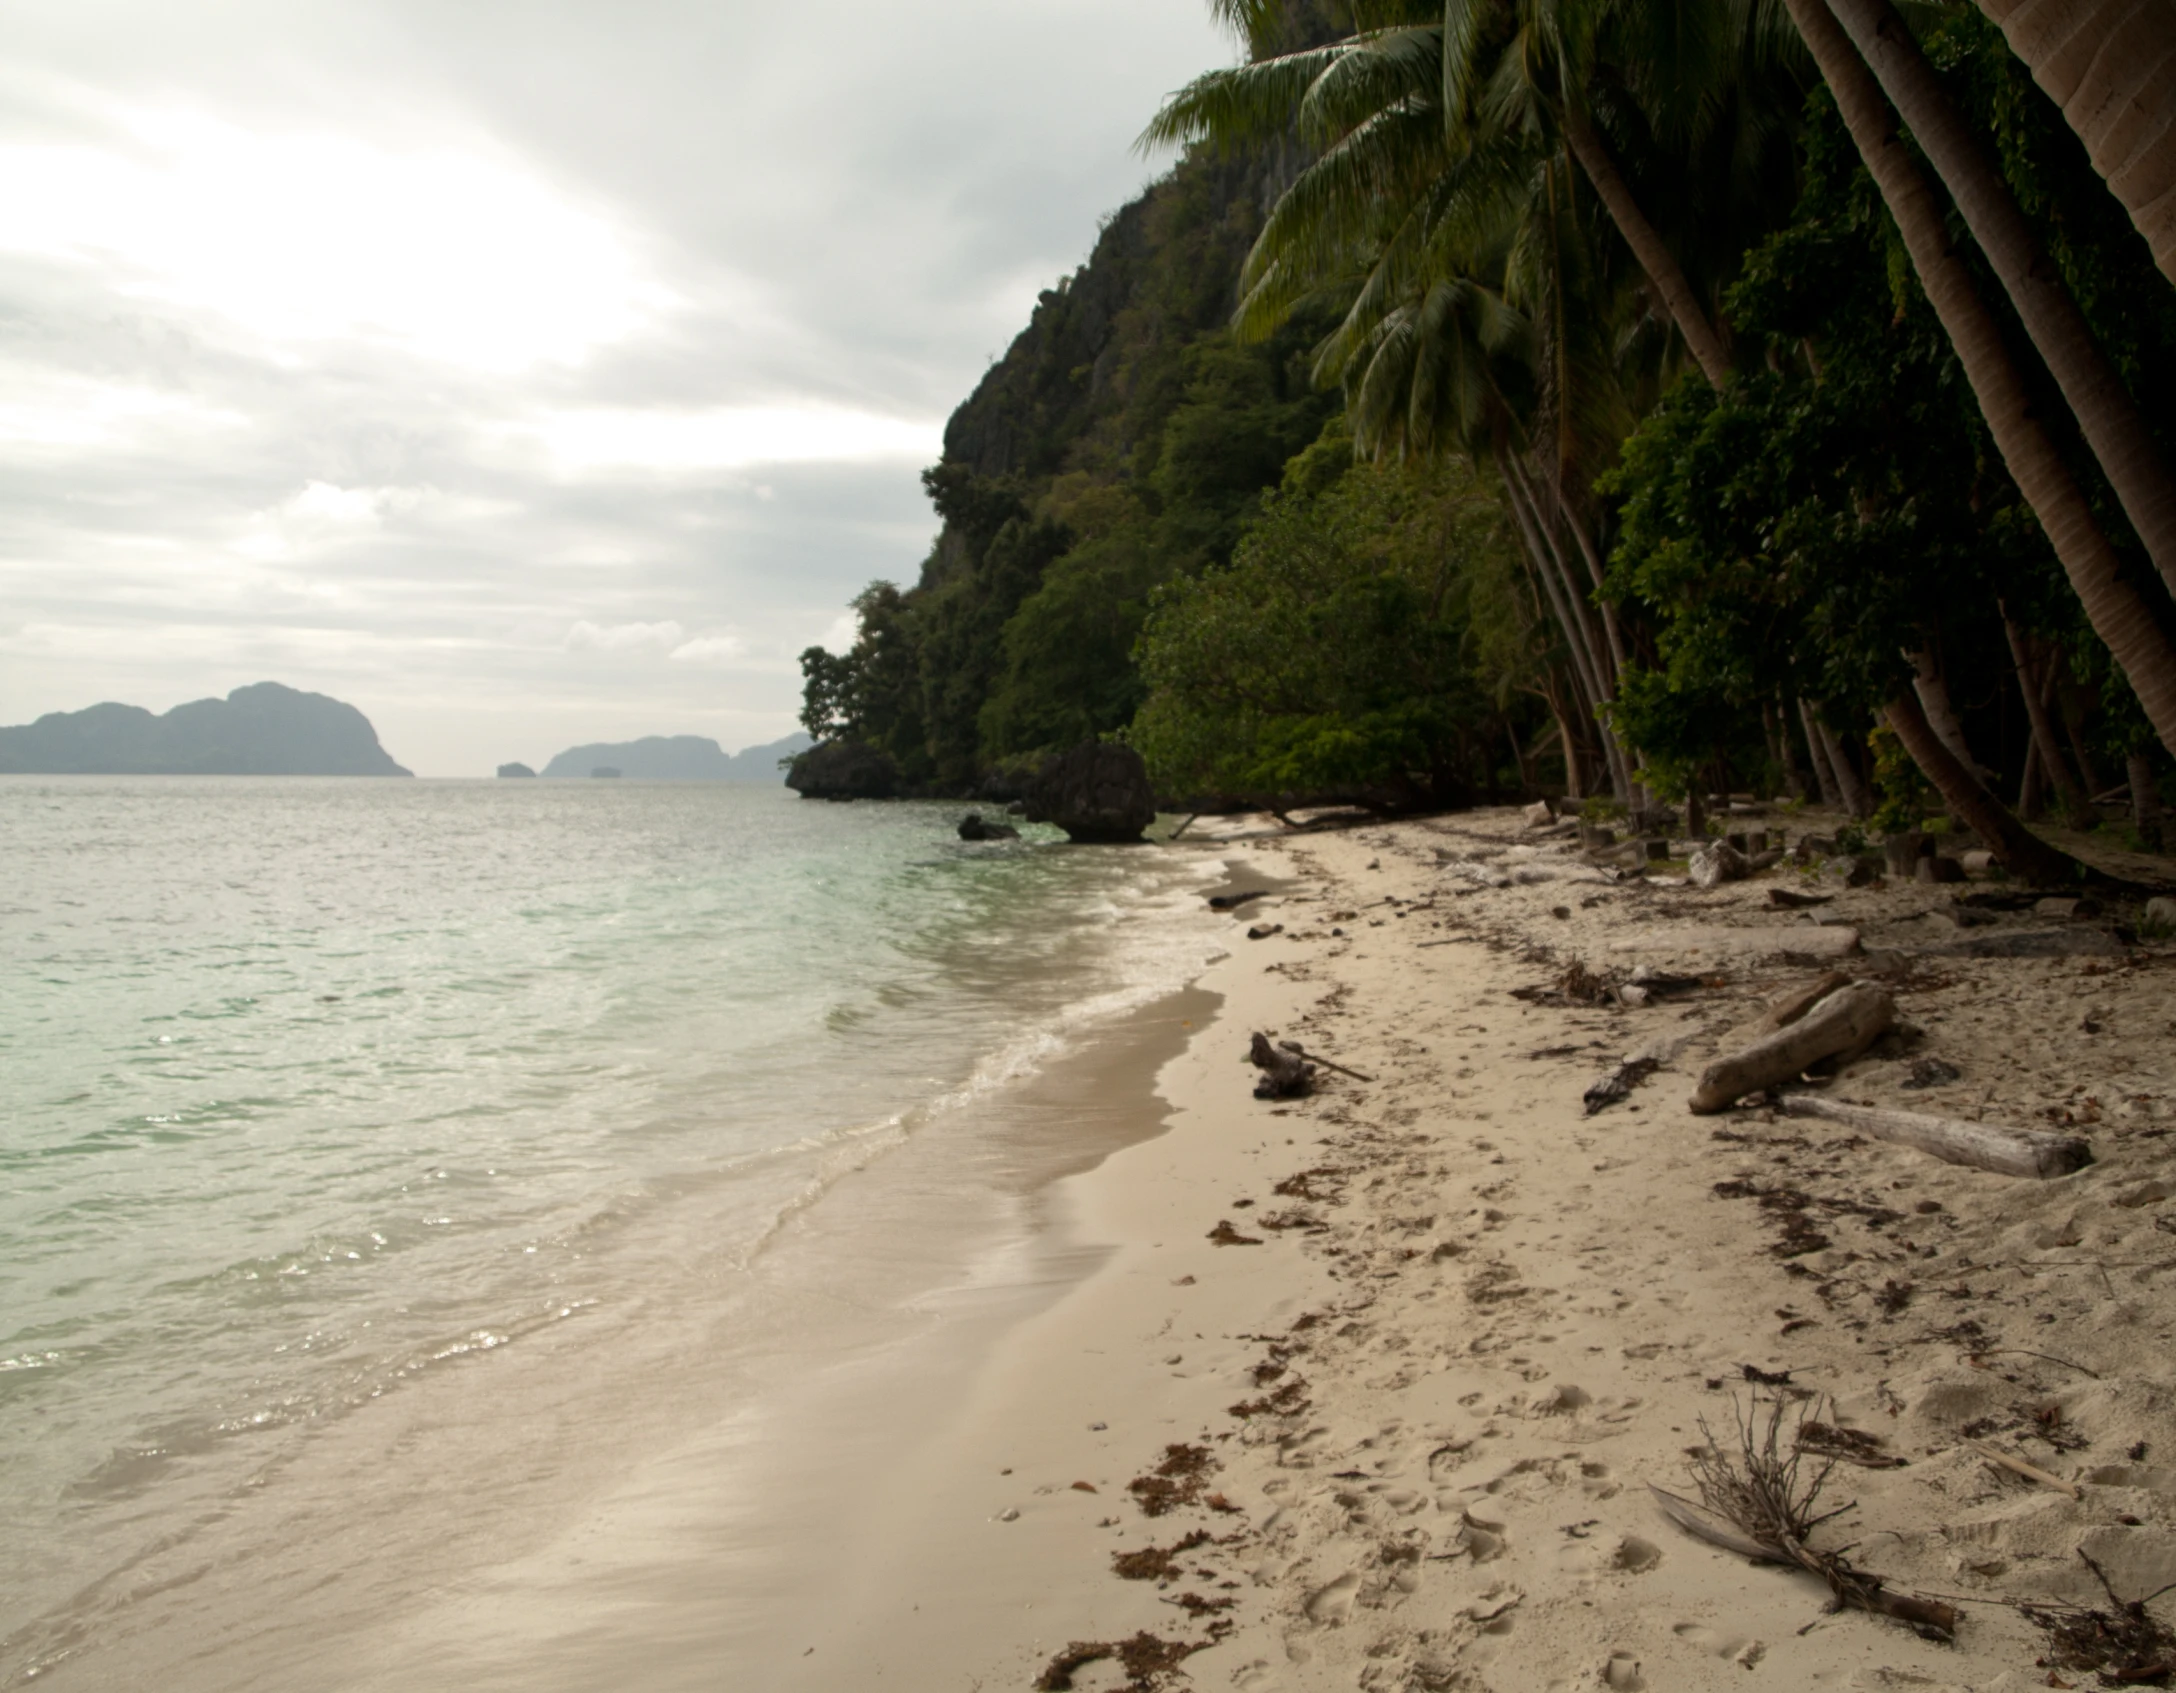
(2111, 66)
(2119, 614)
(2113, 427)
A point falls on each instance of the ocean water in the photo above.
(326, 1104)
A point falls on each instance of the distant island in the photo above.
(673, 758)
(264, 729)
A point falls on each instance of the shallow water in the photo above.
(360, 1140)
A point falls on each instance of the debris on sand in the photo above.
(1177, 1481)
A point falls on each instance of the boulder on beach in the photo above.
(1095, 792)
(841, 770)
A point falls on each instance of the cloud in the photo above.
(732, 438)
(710, 649)
(454, 255)
(623, 637)
(402, 350)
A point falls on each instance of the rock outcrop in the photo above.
(1096, 792)
(973, 828)
(842, 770)
(265, 729)
(515, 769)
(678, 758)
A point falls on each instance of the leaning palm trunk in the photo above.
(1824, 776)
(2118, 613)
(1655, 258)
(2115, 431)
(2023, 853)
(2076, 806)
(2111, 66)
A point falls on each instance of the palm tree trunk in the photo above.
(1663, 271)
(1933, 691)
(2023, 853)
(2115, 431)
(1824, 778)
(2145, 799)
(1547, 565)
(2111, 66)
(2052, 763)
(2032, 789)
(1858, 800)
(2118, 613)
(1778, 724)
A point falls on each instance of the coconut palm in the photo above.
(2113, 426)
(2111, 66)
(2118, 613)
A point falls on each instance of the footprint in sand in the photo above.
(1636, 1556)
(1623, 1673)
(1331, 1603)
(1734, 1648)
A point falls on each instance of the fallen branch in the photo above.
(1983, 1146)
(1294, 1046)
(1840, 1026)
(2018, 1467)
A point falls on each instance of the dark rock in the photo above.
(972, 828)
(844, 770)
(1096, 792)
(265, 729)
(516, 769)
(1018, 808)
(1935, 868)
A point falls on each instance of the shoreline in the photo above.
(1400, 1434)
(1420, 1418)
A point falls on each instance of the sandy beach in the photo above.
(1372, 1385)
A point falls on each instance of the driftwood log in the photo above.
(1984, 1146)
(1285, 1075)
(1840, 1024)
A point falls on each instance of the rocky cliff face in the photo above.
(261, 730)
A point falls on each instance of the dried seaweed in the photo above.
(1155, 1563)
(1146, 1659)
(1177, 1481)
(2125, 1646)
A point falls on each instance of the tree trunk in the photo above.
(2111, 66)
(1548, 565)
(2032, 788)
(2024, 854)
(2053, 766)
(1778, 725)
(2113, 428)
(1664, 273)
(2145, 800)
(1824, 778)
(1858, 799)
(1934, 700)
(2119, 614)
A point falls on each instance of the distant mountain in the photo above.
(261, 730)
(679, 758)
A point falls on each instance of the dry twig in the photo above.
(1766, 1494)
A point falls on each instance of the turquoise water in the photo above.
(311, 1090)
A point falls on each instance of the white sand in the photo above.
(1498, 1320)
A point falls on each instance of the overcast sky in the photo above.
(526, 372)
